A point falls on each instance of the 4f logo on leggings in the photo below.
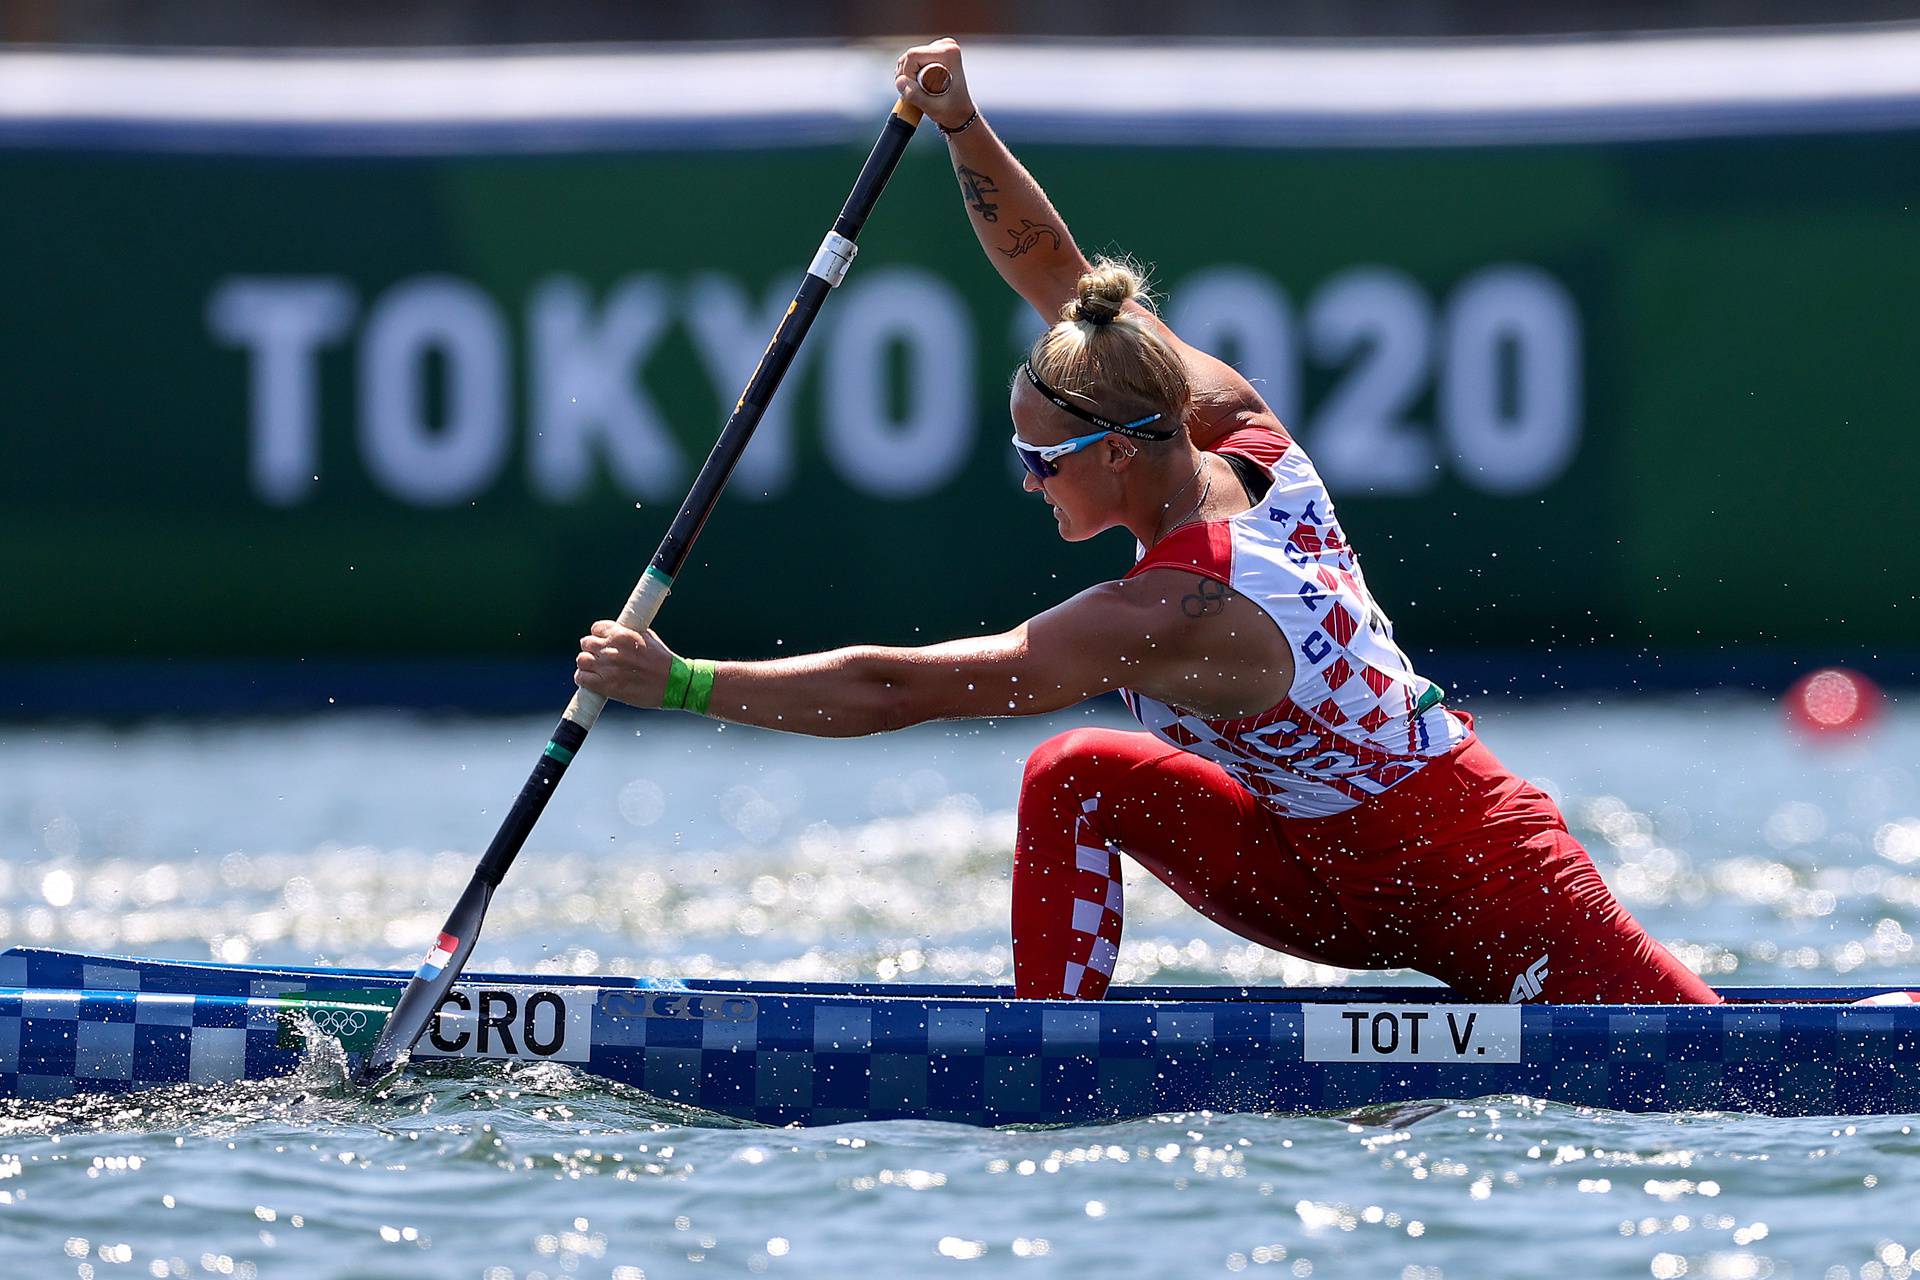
(1530, 984)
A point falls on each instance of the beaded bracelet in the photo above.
(964, 125)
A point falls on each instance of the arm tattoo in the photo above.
(1028, 236)
(978, 186)
(1206, 599)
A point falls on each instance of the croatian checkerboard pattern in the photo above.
(1098, 907)
(1352, 724)
(821, 1056)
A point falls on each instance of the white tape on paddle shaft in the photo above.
(835, 256)
(642, 607)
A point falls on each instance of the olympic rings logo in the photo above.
(337, 1023)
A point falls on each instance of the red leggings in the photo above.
(1463, 872)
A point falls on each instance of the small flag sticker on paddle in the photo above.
(437, 958)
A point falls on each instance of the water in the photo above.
(678, 847)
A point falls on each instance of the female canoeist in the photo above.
(1300, 784)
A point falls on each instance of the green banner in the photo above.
(1649, 397)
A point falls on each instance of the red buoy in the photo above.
(1833, 701)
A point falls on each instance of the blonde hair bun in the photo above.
(1112, 361)
(1103, 293)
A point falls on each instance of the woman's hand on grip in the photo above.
(949, 109)
(623, 664)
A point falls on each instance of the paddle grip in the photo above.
(642, 607)
(934, 79)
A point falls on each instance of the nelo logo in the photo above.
(685, 1005)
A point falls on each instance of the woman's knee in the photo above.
(1072, 760)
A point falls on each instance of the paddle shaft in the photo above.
(443, 964)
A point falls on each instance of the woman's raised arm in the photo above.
(1028, 243)
(1021, 232)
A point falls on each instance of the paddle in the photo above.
(436, 975)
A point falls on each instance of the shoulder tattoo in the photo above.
(1205, 600)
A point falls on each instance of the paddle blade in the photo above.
(430, 983)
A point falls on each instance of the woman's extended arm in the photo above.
(849, 693)
(1065, 655)
(1142, 633)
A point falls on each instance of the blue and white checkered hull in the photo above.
(817, 1053)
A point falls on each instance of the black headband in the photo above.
(1136, 428)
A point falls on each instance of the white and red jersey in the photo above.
(1358, 719)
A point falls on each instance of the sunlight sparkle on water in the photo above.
(678, 853)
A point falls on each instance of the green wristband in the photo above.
(689, 686)
(700, 688)
(679, 676)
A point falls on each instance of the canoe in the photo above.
(824, 1053)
